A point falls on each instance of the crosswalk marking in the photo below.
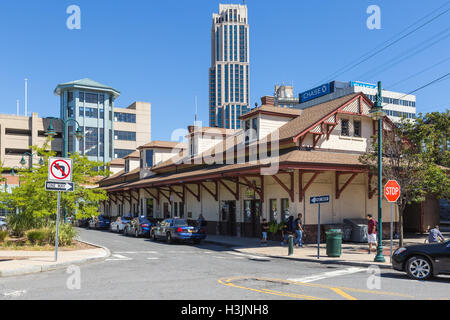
(249, 256)
(152, 258)
(330, 274)
(118, 257)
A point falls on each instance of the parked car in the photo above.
(100, 222)
(421, 262)
(82, 223)
(138, 227)
(177, 229)
(119, 224)
(3, 224)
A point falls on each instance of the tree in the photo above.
(413, 167)
(37, 207)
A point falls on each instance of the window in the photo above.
(344, 127)
(273, 209)
(81, 96)
(150, 212)
(125, 135)
(69, 96)
(357, 128)
(120, 153)
(89, 143)
(127, 165)
(70, 112)
(125, 117)
(284, 209)
(149, 158)
(91, 97)
(91, 113)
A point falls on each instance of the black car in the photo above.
(421, 262)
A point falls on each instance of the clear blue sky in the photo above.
(159, 51)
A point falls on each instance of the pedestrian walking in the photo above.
(265, 229)
(299, 230)
(435, 235)
(372, 232)
(200, 221)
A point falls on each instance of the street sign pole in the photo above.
(392, 224)
(318, 236)
(57, 226)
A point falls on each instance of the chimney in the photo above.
(268, 100)
(191, 129)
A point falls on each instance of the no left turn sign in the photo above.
(60, 169)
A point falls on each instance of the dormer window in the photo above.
(127, 165)
(149, 158)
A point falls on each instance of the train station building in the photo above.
(269, 169)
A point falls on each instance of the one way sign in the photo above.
(320, 199)
(59, 186)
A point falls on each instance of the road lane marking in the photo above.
(134, 252)
(339, 290)
(268, 291)
(152, 258)
(343, 294)
(327, 275)
(118, 257)
(15, 294)
(249, 256)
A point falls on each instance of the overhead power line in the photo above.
(442, 78)
(411, 52)
(418, 73)
(371, 53)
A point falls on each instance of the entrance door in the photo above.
(231, 225)
(252, 212)
(166, 210)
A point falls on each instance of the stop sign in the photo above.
(392, 191)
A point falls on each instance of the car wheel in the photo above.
(169, 238)
(419, 268)
(153, 236)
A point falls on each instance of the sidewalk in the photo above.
(353, 254)
(13, 262)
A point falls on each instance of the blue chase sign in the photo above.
(363, 84)
(315, 93)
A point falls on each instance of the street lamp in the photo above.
(13, 173)
(23, 162)
(78, 134)
(51, 132)
(376, 113)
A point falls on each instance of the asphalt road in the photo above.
(141, 269)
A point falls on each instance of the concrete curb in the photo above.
(56, 265)
(339, 262)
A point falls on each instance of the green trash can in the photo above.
(334, 242)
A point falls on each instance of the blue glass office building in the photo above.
(229, 92)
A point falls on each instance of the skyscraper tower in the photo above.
(229, 92)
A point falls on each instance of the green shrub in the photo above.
(21, 222)
(3, 235)
(67, 233)
(38, 236)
